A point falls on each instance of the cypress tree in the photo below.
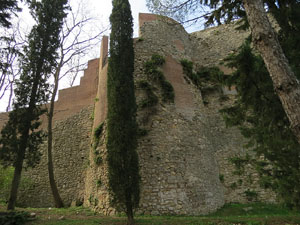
(20, 137)
(121, 122)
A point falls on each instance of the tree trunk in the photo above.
(265, 41)
(57, 199)
(22, 149)
(16, 180)
(129, 213)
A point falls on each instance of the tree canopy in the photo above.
(216, 11)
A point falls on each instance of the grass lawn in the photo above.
(238, 214)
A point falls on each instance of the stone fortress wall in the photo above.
(187, 146)
(71, 140)
(184, 155)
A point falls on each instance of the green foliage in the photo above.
(251, 195)
(93, 200)
(20, 137)
(98, 130)
(221, 177)
(98, 160)
(168, 91)
(233, 185)
(204, 75)
(229, 214)
(92, 116)
(225, 11)
(220, 11)
(257, 209)
(287, 16)
(260, 116)
(20, 132)
(97, 134)
(7, 8)
(239, 163)
(14, 218)
(142, 132)
(99, 183)
(123, 165)
(151, 99)
(207, 79)
(154, 74)
(6, 175)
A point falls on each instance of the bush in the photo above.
(14, 218)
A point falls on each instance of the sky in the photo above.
(103, 9)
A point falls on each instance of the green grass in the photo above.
(238, 214)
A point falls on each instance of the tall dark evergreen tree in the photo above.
(259, 112)
(20, 136)
(260, 116)
(121, 122)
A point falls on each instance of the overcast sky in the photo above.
(103, 9)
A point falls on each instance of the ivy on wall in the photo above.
(207, 79)
(153, 73)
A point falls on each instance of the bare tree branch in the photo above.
(10, 51)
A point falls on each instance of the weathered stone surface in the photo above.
(71, 140)
(183, 157)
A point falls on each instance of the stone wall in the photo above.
(187, 148)
(184, 154)
(178, 169)
(71, 142)
(96, 195)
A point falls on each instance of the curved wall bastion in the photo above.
(185, 150)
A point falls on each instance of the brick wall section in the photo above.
(145, 17)
(184, 99)
(72, 100)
